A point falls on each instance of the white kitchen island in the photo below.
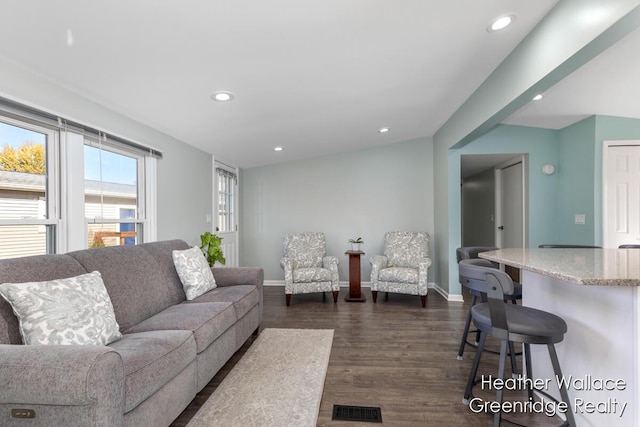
(596, 292)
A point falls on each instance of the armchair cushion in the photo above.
(399, 274)
(311, 274)
(304, 249)
(406, 248)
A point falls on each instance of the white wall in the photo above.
(183, 174)
(358, 194)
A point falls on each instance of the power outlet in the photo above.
(580, 219)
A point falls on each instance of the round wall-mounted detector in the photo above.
(548, 169)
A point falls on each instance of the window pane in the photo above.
(23, 182)
(101, 235)
(23, 240)
(110, 183)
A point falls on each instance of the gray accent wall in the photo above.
(184, 174)
(363, 193)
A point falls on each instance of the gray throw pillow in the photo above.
(194, 272)
(76, 310)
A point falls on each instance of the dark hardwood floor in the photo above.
(394, 355)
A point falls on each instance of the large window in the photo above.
(28, 189)
(64, 186)
(114, 205)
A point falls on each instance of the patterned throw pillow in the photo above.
(76, 310)
(194, 272)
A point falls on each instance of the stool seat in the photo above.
(525, 324)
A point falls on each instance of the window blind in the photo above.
(24, 112)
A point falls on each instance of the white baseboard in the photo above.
(345, 284)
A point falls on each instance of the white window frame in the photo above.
(65, 177)
(230, 176)
(52, 183)
(141, 189)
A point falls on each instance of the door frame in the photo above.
(522, 158)
(606, 144)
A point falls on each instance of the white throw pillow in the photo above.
(194, 272)
(76, 310)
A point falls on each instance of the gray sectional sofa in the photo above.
(170, 349)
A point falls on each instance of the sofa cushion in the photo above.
(30, 269)
(206, 320)
(399, 274)
(151, 360)
(75, 310)
(194, 271)
(162, 253)
(133, 278)
(243, 297)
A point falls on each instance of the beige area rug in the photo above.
(278, 382)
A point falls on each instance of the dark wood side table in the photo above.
(355, 294)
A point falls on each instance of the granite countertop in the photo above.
(601, 267)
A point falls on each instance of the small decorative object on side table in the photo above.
(355, 294)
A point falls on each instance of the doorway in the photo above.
(511, 204)
(485, 204)
(621, 193)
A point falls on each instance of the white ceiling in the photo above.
(316, 77)
(608, 85)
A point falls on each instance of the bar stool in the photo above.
(511, 323)
(471, 252)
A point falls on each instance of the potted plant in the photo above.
(355, 243)
(211, 248)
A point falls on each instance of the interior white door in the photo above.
(621, 182)
(510, 232)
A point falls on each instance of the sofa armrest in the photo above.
(230, 276)
(67, 375)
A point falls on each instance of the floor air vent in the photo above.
(357, 413)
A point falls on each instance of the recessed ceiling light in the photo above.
(278, 148)
(222, 96)
(501, 23)
(384, 130)
(538, 97)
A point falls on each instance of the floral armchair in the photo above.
(403, 267)
(306, 266)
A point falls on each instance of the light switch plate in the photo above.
(580, 219)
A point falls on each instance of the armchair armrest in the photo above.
(331, 262)
(287, 264)
(377, 262)
(68, 375)
(423, 269)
